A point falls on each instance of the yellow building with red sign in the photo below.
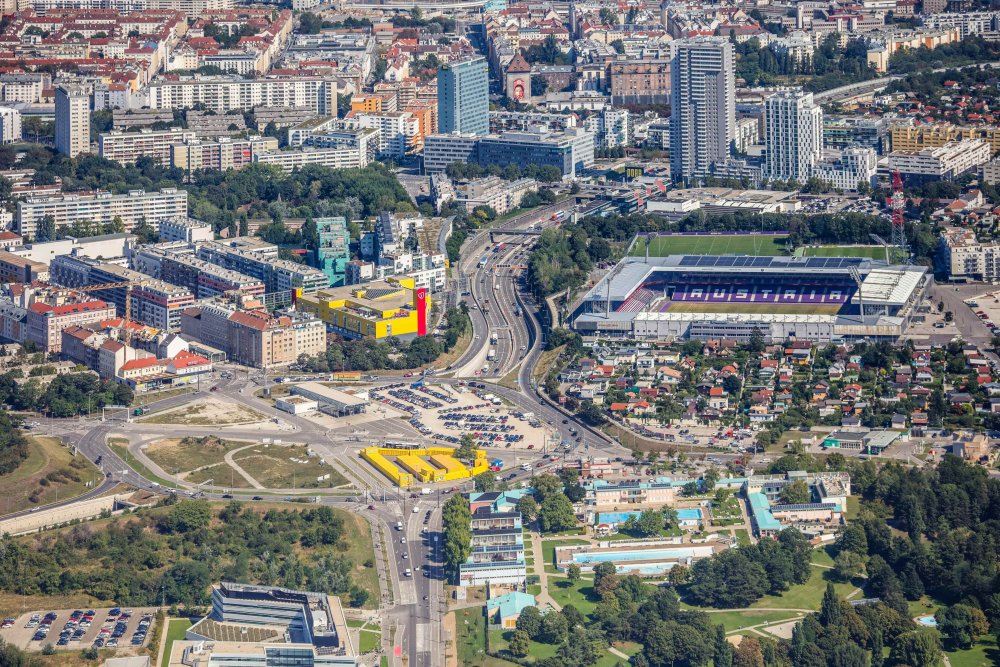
(379, 309)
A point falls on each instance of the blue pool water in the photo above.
(928, 621)
(691, 513)
(646, 554)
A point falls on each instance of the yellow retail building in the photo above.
(379, 309)
(409, 464)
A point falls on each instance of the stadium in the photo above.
(729, 296)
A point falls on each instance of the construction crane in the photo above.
(128, 285)
(897, 204)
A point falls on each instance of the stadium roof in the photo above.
(632, 271)
(890, 286)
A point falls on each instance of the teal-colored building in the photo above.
(334, 250)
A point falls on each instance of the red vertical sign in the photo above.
(421, 312)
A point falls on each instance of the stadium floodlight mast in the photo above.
(856, 276)
(882, 242)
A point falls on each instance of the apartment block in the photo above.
(278, 275)
(335, 158)
(317, 95)
(254, 338)
(72, 120)
(500, 195)
(101, 208)
(966, 258)
(639, 82)
(220, 154)
(177, 264)
(943, 162)
(10, 125)
(18, 269)
(127, 147)
(334, 251)
(45, 323)
(154, 302)
(185, 229)
(917, 137)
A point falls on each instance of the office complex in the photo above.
(72, 119)
(464, 97)
(794, 125)
(334, 249)
(571, 151)
(703, 105)
(101, 208)
(312, 630)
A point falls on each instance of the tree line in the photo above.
(180, 549)
(391, 354)
(66, 395)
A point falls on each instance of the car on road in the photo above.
(257, 498)
(416, 510)
(227, 496)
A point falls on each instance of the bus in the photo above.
(483, 260)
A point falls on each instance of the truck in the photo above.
(493, 337)
(492, 354)
(425, 491)
(399, 525)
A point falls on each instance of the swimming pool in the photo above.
(927, 621)
(586, 558)
(689, 514)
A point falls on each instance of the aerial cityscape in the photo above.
(483, 333)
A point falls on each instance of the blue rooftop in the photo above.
(761, 510)
(510, 604)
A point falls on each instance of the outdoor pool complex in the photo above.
(928, 621)
(644, 561)
(689, 514)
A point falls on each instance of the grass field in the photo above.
(736, 620)
(871, 252)
(983, 653)
(207, 413)
(50, 473)
(284, 467)
(470, 639)
(752, 308)
(176, 627)
(221, 474)
(807, 595)
(736, 244)
(176, 455)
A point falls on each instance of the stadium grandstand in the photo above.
(729, 296)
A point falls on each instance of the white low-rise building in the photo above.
(844, 170)
(941, 162)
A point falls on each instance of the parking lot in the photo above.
(76, 629)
